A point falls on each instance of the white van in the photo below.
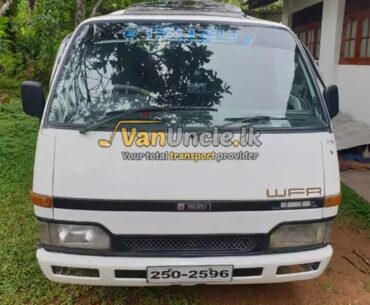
(184, 143)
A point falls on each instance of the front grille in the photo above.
(191, 244)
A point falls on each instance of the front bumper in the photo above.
(107, 265)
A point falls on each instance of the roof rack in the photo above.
(184, 7)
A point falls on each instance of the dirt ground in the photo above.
(345, 282)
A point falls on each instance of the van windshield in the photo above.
(235, 70)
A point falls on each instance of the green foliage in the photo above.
(3, 25)
(37, 35)
(8, 62)
(111, 6)
(274, 7)
(29, 40)
(354, 207)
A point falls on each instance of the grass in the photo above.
(21, 281)
(8, 87)
(354, 209)
(367, 286)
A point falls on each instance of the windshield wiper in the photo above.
(115, 115)
(251, 120)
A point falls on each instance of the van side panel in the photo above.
(331, 167)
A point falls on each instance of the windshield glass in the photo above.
(239, 70)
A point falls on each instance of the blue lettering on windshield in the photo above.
(130, 33)
(181, 34)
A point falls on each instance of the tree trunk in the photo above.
(96, 8)
(31, 4)
(80, 11)
(5, 7)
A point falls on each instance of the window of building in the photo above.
(356, 33)
(306, 24)
(310, 35)
(365, 39)
(350, 33)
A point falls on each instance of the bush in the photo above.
(29, 40)
(8, 62)
(37, 35)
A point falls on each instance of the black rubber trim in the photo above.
(105, 253)
(172, 205)
(141, 274)
(245, 272)
(130, 274)
(261, 239)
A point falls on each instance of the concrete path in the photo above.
(359, 181)
(350, 133)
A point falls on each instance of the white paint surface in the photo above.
(84, 170)
(354, 90)
(331, 33)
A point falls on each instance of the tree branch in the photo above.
(31, 5)
(5, 7)
(96, 8)
(80, 11)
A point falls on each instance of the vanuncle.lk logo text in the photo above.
(174, 137)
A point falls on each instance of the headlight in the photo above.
(296, 235)
(73, 236)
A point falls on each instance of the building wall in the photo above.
(354, 85)
(353, 80)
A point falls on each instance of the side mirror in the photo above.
(33, 100)
(331, 96)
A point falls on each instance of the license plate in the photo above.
(186, 274)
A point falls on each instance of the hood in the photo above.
(280, 164)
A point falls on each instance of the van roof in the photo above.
(185, 10)
(184, 7)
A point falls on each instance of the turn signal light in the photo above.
(41, 200)
(332, 200)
